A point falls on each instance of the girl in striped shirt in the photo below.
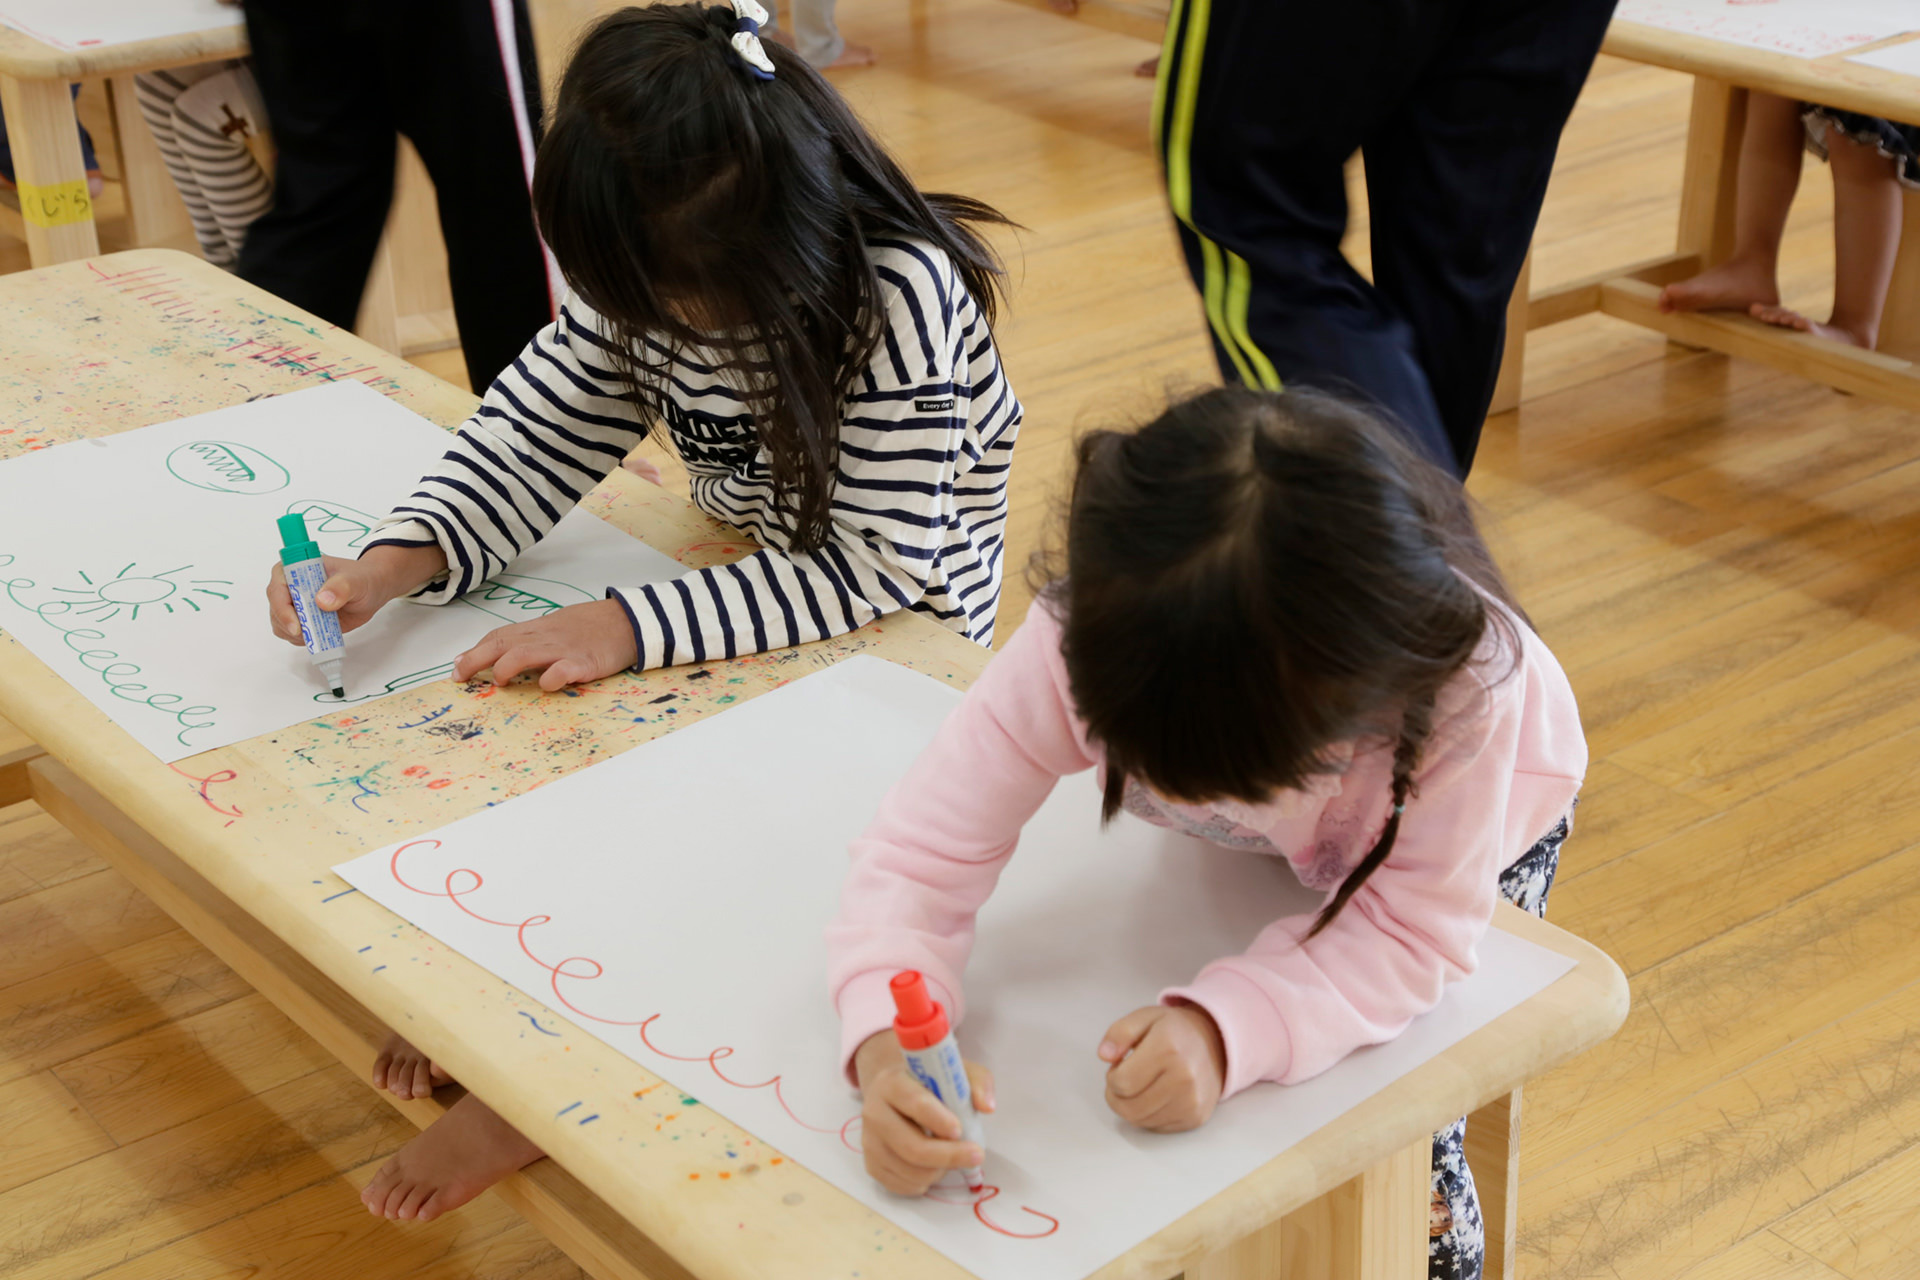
(750, 268)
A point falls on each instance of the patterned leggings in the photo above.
(1457, 1242)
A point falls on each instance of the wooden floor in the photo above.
(1727, 561)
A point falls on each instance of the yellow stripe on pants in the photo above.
(1226, 280)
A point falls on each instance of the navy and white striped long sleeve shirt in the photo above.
(919, 504)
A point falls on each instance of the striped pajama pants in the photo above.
(202, 118)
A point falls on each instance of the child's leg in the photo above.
(404, 1071)
(1456, 1236)
(156, 92)
(1770, 158)
(212, 121)
(459, 1156)
(1866, 238)
(813, 34)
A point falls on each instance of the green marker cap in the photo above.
(296, 545)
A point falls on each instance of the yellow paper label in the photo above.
(56, 205)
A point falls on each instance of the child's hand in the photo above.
(1168, 1067)
(909, 1139)
(578, 643)
(355, 589)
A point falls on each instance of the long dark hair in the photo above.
(1254, 577)
(691, 204)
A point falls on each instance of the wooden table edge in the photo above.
(1595, 998)
(25, 57)
(1857, 86)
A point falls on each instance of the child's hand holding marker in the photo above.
(1167, 1067)
(355, 590)
(910, 1137)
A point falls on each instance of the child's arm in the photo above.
(1287, 1009)
(916, 471)
(552, 426)
(935, 850)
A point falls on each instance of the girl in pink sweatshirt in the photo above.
(1278, 630)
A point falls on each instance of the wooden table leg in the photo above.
(1712, 170)
(1371, 1228)
(1493, 1153)
(1513, 356)
(45, 137)
(16, 749)
(156, 215)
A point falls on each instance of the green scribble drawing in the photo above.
(325, 696)
(130, 592)
(515, 597)
(220, 466)
(122, 678)
(329, 521)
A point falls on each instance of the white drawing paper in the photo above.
(135, 565)
(93, 23)
(1904, 58)
(1801, 28)
(719, 985)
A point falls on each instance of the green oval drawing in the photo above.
(221, 467)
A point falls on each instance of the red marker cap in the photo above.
(921, 1021)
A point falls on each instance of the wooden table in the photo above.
(56, 213)
(236, 844)
(407, 307)
(1723, 74)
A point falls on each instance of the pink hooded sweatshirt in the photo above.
(1501, 768)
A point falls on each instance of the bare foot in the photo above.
(1733, 284)
(404, 1071)
(1787, 318)
(459, 1156)
(1148, 69)
(853, 55)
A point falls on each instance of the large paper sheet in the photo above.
(719, 985)
(134, 564)
(88, 24)
(1904, 58)
(1802, 28)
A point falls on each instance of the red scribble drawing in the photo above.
(463, 882)
(203, 785)
(978, 1199)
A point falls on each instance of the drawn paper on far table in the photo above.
(1801, 28)
(93, 23)
(134, 564)
(671, 902)
(1904, 58)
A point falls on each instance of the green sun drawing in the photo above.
(133, 591)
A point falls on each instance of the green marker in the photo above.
(306, 573)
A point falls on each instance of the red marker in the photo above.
(934, 1059)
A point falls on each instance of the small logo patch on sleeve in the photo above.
(943, 404)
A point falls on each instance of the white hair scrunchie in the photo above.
(749, 16)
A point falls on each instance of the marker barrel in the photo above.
(940, 1069)
(325, 645)
(933, 1057)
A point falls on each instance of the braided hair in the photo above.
(1253, 579)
